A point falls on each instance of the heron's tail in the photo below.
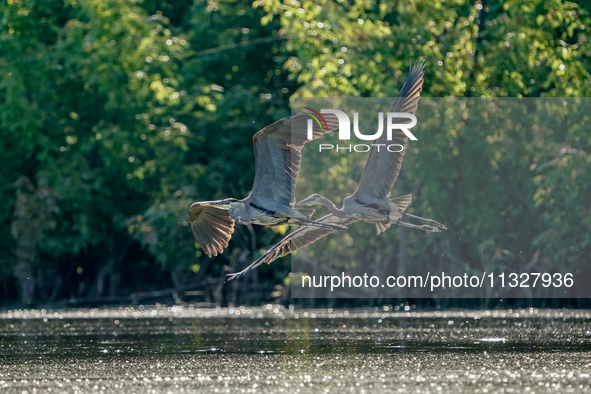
(400, 202)
(403, 202)
(381, 227)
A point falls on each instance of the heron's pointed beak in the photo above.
(221, 204)
(308, 201)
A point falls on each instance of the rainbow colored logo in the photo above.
(316, 119)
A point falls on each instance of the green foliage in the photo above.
(488, 188)
(122, 112)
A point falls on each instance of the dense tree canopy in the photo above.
(116, 114)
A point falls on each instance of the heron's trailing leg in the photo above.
(244, 271)
(421, 227)
(433, 222)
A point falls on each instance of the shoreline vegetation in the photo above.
(115, 115)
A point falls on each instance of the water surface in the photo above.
(273, 349)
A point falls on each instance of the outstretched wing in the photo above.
(212, 228)
(298, 239)
(382, 169)
(277, 150)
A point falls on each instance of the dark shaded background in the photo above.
(116, 114)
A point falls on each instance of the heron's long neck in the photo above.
(331, 207)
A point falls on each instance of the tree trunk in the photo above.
(24, 272)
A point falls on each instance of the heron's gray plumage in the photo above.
(371, 201)
(295, 240)
(381, 171)
(277, 150)
(277, 164)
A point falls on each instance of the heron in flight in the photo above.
(371, 201)
(277, 149)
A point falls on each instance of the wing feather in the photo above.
(298, 239)
(212, 228)
(382, 169)
(277, 149)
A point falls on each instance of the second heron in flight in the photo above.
(371, 201)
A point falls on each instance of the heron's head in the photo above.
(312, 199)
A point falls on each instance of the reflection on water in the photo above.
(274, 349)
